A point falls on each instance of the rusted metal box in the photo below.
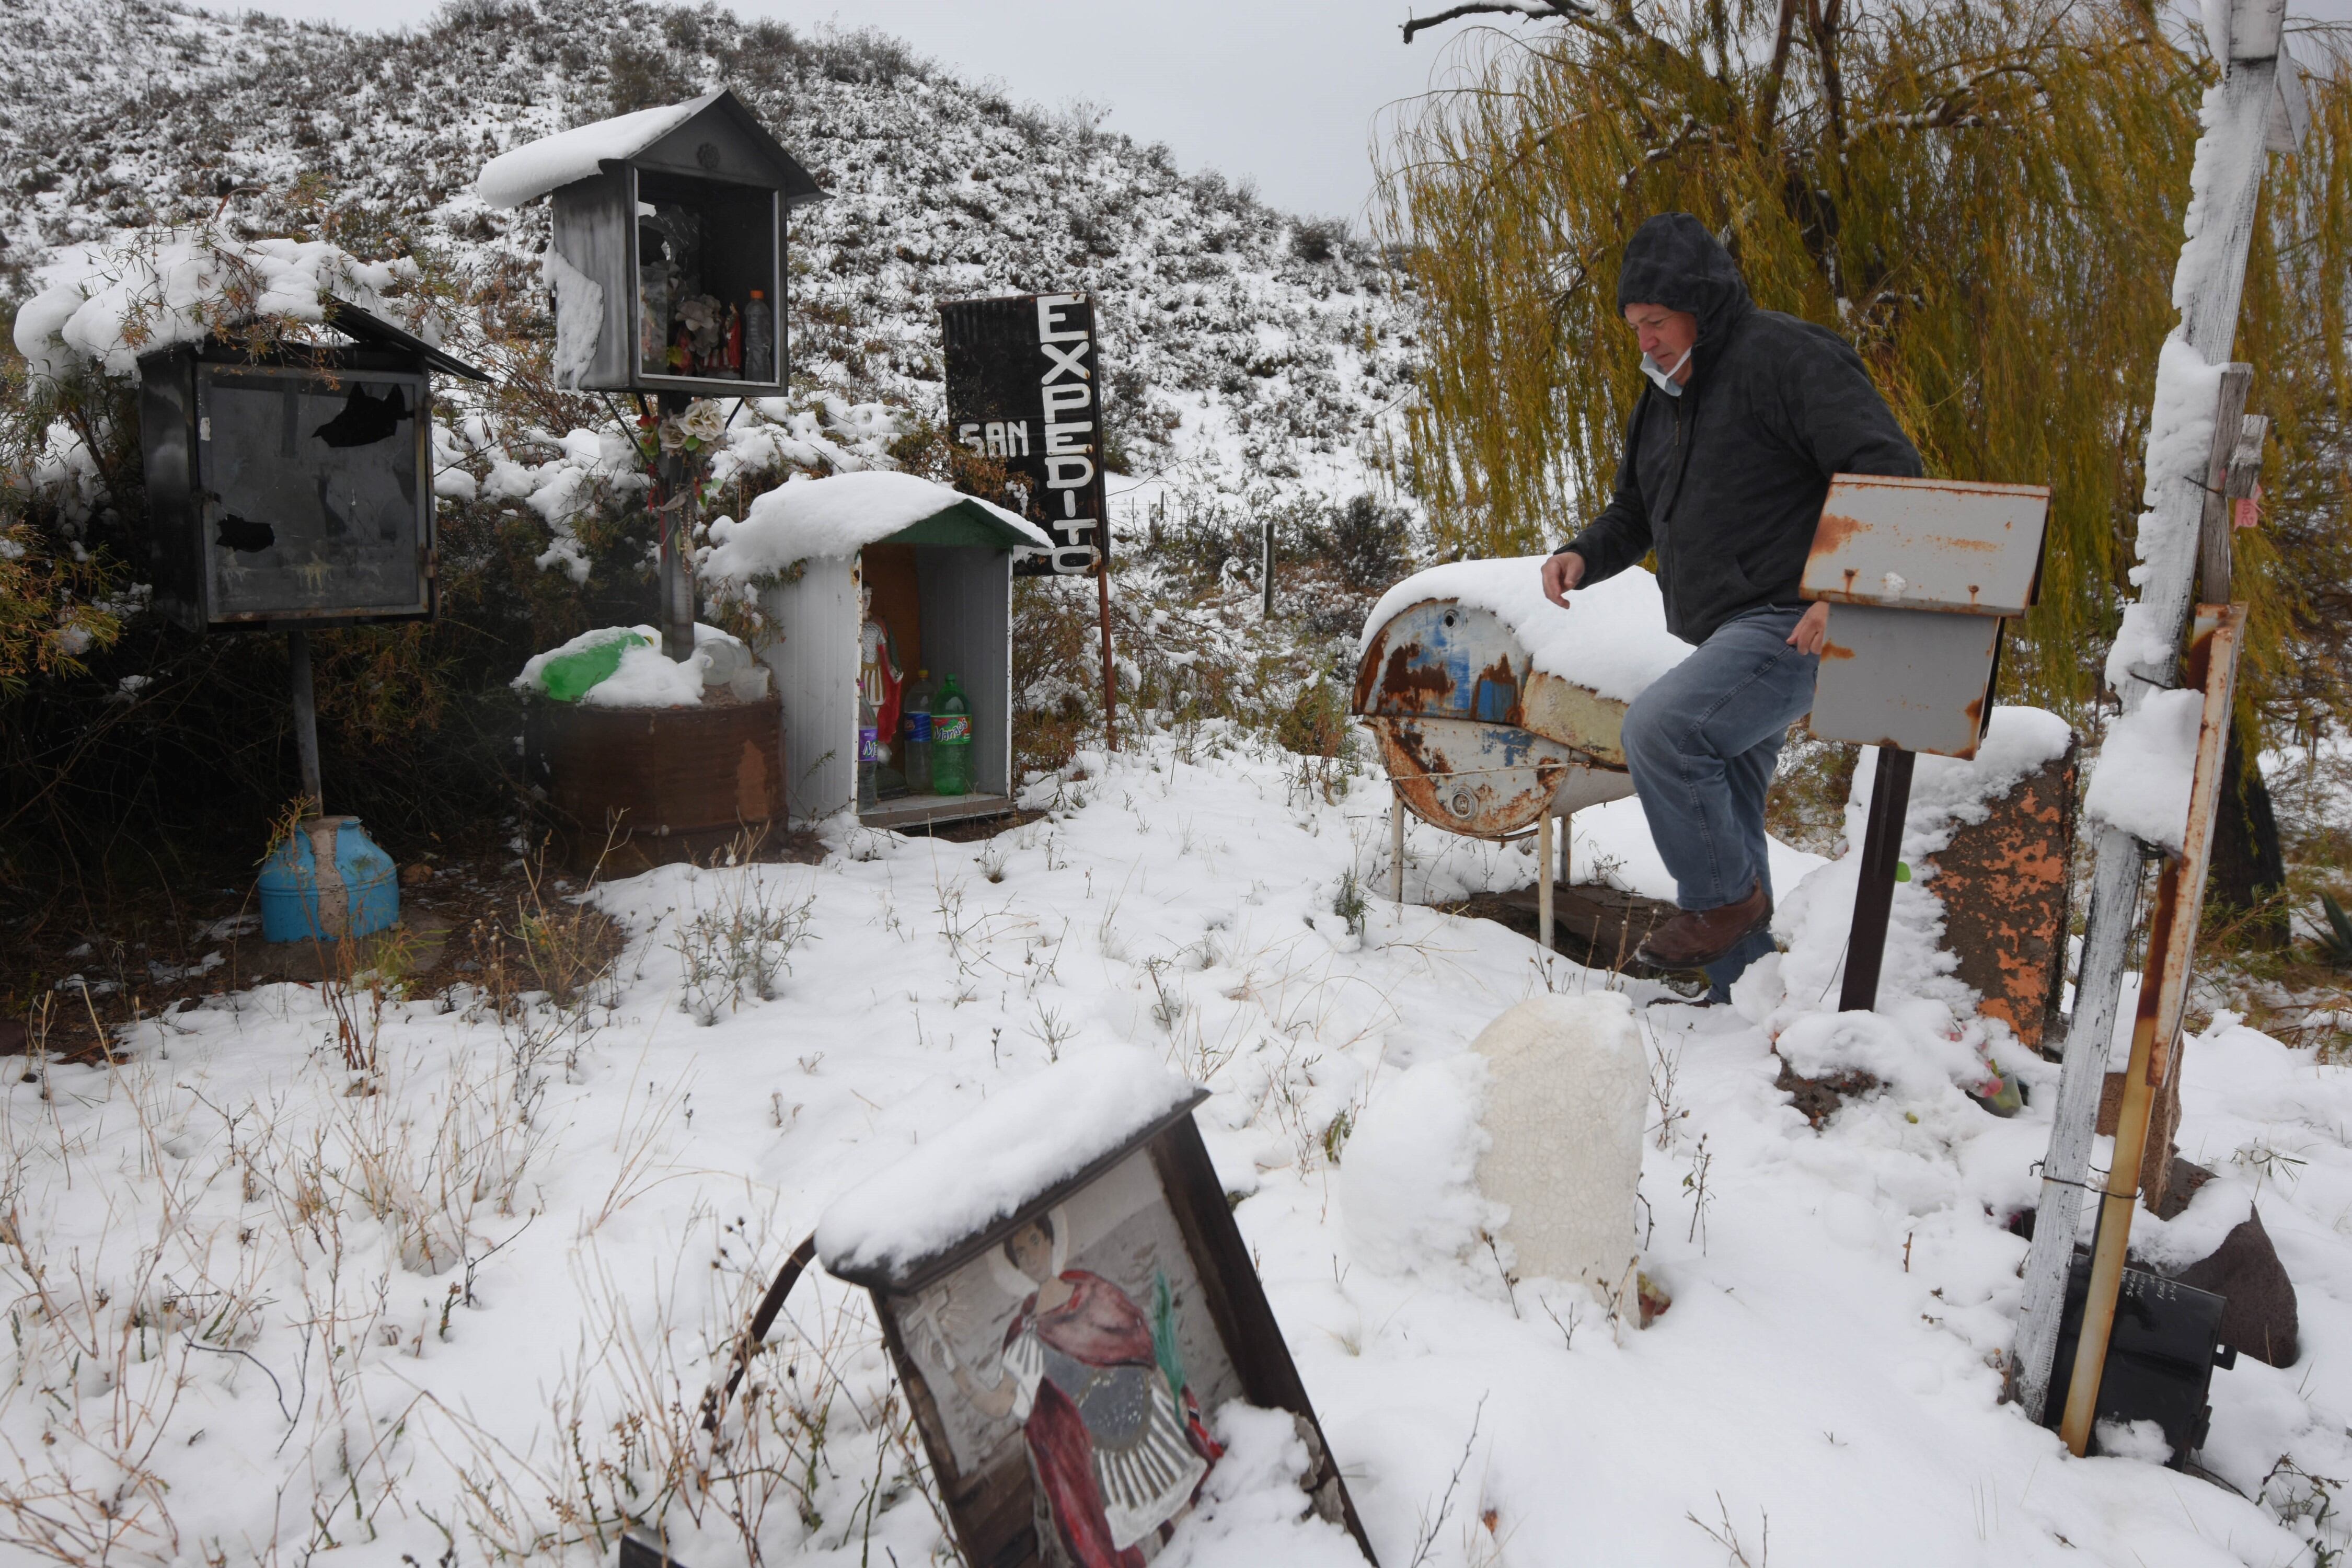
(1922, 575)
(637, 787)
(1476, 739)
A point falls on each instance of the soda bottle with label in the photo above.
(915, 731)
(951, 740)
(868, 755)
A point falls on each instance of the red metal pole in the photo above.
(1111, 673)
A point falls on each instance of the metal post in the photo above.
(1396, 843)
(1873, 896)
(674, 503)
(1266, 573)
(1567, 851)
(305, 719)
(1543, 880)
(1110, 671)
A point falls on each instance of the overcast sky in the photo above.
(1281, 92)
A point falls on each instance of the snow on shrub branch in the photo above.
(162, 287)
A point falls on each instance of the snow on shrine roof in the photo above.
(842, 514)
(1611, 641)
(1013, 1149)
(535, 168)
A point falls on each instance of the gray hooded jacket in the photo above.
(1726, 481)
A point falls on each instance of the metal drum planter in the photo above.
(1476, 739)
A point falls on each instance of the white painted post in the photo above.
(2231, 157)
(1396, 843)
(1543, 880)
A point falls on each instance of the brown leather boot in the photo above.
(1697, 937)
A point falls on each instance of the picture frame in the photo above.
(1128, 1285)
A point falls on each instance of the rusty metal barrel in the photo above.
(637, 787)
(1475, 738)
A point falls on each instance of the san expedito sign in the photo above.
(1024, 386)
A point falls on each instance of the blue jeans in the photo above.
(1701, 744)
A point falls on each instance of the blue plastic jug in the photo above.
(358, 894)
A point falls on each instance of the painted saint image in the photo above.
(1113, 1430)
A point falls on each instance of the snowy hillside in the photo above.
(1245, 346)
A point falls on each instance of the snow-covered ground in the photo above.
(261, 1304)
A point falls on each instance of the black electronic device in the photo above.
(2160, 1357)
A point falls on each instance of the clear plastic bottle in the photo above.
(869, 786)
(915, 728)
(759, 337)
(951, 740)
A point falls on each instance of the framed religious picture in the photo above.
(1069, 1302)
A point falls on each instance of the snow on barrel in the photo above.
(1492, 704)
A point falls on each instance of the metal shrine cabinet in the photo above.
(671, 225)
(292, 488)
(943, 586)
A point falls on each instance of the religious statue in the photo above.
(1114, 1436)
(878, 675)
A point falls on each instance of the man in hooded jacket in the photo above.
(1727, 461)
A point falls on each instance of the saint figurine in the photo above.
(1114, 1433)
(878, 675)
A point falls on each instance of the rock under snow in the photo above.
(1611, 641)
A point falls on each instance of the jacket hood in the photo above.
(1673, 261)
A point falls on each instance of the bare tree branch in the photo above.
(1533, 10)
(1768, 104)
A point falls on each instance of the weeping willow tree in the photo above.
(1985, 199)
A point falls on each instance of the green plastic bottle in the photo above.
(569, 679)
(951, 740)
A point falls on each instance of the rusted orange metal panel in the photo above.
(2003, 884)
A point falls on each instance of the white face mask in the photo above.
(1664, 375)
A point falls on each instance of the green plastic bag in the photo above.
(569, 678)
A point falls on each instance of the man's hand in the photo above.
(1813, 633)
(1561, 572)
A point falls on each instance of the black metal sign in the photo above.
(1024, 386)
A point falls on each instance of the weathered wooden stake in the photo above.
(1265, 573)
(673, 503)
(2155, 1027)
(2250, 117)
(1873, 893)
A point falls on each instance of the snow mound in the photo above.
(535, 168)
(1916, 1063)
(1947, 792)
(2146, 768)
(1409, 1198)
(1040, 1130)
(1611, 641)
(838, 515)
(647, 677)
(108, 307)
(1251, 1510)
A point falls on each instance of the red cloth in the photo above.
(1101, 1326)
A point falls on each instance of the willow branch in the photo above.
(1769, 105)
(1532, 10)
